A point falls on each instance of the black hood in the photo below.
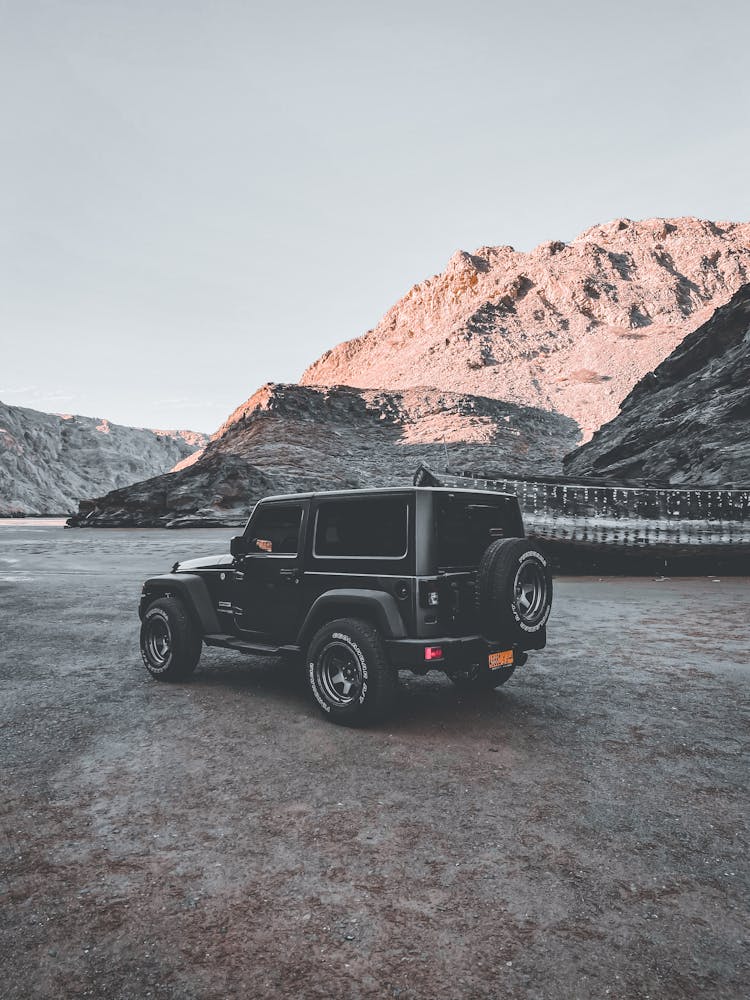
(204, 562)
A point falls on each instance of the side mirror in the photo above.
(237, 546)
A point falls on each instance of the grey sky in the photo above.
(198, 197)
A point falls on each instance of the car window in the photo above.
(275, 529)
(375, 528)
(466, 526)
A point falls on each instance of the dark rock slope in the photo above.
(688, 421)
(48, 461)
(294, 438)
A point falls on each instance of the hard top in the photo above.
(385, 491)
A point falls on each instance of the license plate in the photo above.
(502, 659)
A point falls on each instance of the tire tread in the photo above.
(186, 640)
(382, 680)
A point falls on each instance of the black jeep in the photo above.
(361, 583)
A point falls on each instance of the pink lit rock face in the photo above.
(567, 327)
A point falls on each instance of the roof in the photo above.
(385, 490)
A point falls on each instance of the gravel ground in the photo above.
(581, 833)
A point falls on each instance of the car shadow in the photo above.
(423, 703)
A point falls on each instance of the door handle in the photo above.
(289, 575)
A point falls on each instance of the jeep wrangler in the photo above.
(359, 584)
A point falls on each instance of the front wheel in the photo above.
(349, 674)
(170, 643)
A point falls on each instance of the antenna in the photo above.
(447, 461)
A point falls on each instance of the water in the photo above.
(32, 522)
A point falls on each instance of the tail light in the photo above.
(433, 652)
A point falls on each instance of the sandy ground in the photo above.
(581, 833)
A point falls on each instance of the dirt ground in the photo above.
(582, 832)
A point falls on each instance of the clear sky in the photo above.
(199, 196)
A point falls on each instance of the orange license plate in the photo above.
(502, 659)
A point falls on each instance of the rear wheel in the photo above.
(170, 642)
(349, 674)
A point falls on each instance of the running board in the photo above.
(227, 641)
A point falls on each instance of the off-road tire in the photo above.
(512, 570)
(480, 678)
(170, 642)
(348, 673)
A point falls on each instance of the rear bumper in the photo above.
(408, 654)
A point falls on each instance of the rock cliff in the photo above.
(296, 438)
(48, 462)
(569, 327)
(686, 422)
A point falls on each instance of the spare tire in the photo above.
(514, 590)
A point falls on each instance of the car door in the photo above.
(268, 590)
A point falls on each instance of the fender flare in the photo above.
(192, 591)
(335, 603)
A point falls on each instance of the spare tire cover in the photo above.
(514, 590)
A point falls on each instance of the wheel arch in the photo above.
(191, 589)
(373, 606)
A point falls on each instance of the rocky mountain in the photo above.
(295, 438)
(48, 462)
(569, 327)
(687, 422)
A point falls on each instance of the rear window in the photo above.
(374, 528)
(467, 525)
